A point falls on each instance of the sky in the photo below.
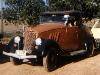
(1, 4)
(44, 0)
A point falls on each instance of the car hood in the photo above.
(46, 27)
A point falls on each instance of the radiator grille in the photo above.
(29, 37)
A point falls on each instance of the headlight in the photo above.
(38, 41)
(17, 39)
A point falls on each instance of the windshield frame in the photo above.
(52, 18)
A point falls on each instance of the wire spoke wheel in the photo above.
(50, 61)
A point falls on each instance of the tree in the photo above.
(59, 5)
(24, 10)
(89, 8)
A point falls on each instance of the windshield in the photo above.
(52, 18)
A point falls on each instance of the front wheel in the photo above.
(16, 61)
(50, 61)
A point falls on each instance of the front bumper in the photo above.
(19, 56)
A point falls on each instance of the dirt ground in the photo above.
(72, 65)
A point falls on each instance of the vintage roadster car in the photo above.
(49, 40)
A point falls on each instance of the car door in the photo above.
(73, 38)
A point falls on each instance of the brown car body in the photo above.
(68, 38)
(54, 38)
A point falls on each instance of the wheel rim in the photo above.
(50, 61)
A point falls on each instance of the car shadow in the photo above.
(38, 63)
(64, 60)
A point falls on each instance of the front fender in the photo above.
(93, 41)
(46, 46)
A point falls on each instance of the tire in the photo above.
(33, 61)
(50, 61)
(2, 47)
(16, 61)
(1, 52)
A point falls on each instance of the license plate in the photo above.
(21, 52)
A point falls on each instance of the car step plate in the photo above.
(77, 52)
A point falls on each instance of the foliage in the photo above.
(89, 8)
(30, 10)
(24, 10)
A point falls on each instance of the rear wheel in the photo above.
(50, 61)
(90, 49)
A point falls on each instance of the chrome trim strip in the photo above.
(19, 56)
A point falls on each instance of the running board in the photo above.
(19, 56)
(76, 52)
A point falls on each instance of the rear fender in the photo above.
(92, 41)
